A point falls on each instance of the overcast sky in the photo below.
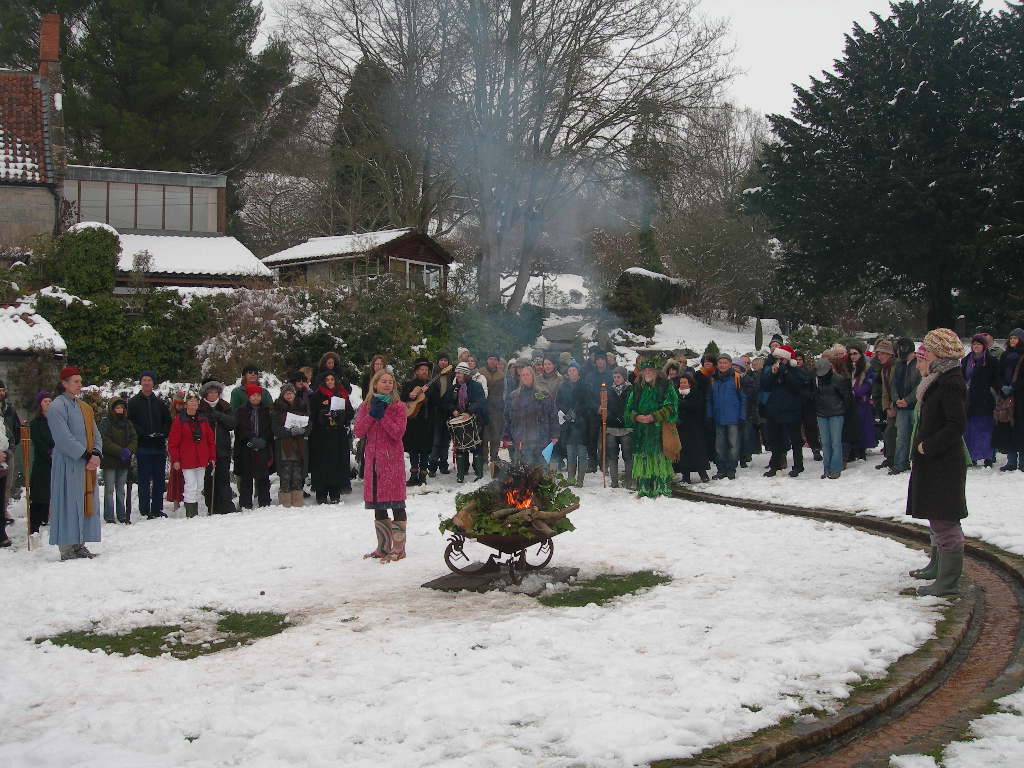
(781, 42)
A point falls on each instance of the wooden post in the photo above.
(26, 444)
(604, 434)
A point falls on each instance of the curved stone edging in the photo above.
(907, 676)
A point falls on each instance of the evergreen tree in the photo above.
(712, 350)
(887, 167)
(362, 153)
(175, 85)
(758, 336)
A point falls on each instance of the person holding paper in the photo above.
(291, 426)
(254, 449)
(531, 422)
(330, 450)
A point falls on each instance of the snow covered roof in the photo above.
(336, 245)
(24, 135)
(22, 330)
(653, 275)
(192, 255)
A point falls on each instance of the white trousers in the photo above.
(193, 483)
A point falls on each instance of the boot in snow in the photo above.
(461, 467)
(69, 553)
(191, 509)
(397, 549)
(930, 571)
(81, 551)
(297, 500)
(951, 565)
(478, 466)
(383, 530)
(414, 479)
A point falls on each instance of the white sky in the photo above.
(781, 42)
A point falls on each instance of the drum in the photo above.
(465, 431)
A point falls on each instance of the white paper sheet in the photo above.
(293, 420)
(337, 404)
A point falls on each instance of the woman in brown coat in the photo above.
(939, 471)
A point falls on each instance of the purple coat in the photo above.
(384, 454)
(865, 410)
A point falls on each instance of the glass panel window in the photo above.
(433, 278)
(204, 210)
(122, 206)
(176, 208)
(416, 277)
(94, 201)
(151, 206)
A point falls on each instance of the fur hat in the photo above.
(287, 388)
(884, 345)
(782, 352)
(211, 384)
(943, 343)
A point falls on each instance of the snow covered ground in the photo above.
(995, 516)
(766, 616)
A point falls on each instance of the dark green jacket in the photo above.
(118, 433)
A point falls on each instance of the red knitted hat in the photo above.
(67, 373)
(253, 389)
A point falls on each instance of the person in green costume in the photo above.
(652, 402)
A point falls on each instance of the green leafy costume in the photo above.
(652, 470)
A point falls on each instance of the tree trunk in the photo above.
(940, 298)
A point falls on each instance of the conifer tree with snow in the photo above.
(889, 167)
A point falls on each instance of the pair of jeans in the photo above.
(749, 442)
(831, 430)
(613, 444)
(727, 448)
(904, 427)
(575, 452)
(783, 437)
(152, 482)
(115, 481)
(1015, 459)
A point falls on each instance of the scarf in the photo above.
(463, 397)
(936, 369)
(90, 443)
(254, 420)
(194, 423)
(620, 388)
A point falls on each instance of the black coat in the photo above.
(786, 392)
(150, 415)
(617, 407)
(832, 395)
(222, 422)
(980, 399)
(691, 425)
(42, 461)
(330, 444)
(249, 461)
(575, 400)
(419, 429)
(938, 476)
(11, 421)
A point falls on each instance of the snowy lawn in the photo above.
(995, 516)
(766, 616)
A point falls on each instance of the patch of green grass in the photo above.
(233, 629)
(601, 589)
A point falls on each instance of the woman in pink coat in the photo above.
(381, 423)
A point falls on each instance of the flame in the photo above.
(519, 499)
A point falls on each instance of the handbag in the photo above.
(670, 444)
(1003, 413)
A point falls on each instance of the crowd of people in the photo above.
(644, 428)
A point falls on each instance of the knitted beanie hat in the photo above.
(885, 346)
(943, 343)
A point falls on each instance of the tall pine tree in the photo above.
(886, 168)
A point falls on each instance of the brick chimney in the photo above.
(49, 43)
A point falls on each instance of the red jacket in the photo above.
(181, 446)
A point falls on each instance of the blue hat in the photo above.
(573, 364)
(151, 375)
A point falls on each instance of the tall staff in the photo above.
(26, 464)
(604, 434)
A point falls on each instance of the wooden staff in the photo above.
(604, 434)
(25, 470)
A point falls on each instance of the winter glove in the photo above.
(126, 454)
(377, 409)
(1007, 390)
(257, 443)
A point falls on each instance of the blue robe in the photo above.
(68, 523)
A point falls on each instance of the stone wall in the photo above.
(24, 213)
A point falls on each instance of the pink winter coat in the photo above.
(384, 454)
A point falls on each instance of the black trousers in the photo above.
(39, 513)
(245, 491)
(781, 437)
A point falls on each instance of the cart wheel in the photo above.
(537, 556)
(458, 561)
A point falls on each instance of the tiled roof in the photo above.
(24, 158)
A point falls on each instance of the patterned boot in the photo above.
(397, 550)
(384, 544)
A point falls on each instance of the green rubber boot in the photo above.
(930, 571)
(951, 565)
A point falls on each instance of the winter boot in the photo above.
(613, 471)
(580, 472)
(284, 498)
(951, 565)
(297, 500)
(383, 530)
(414, 479)
(930, 571)
(423, 477)
(397, 549)
(478, 466)
(191, 509)
(461, 466)
(68, 553)
(81, 551)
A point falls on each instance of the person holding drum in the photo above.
(531, 421)
(465, 408)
